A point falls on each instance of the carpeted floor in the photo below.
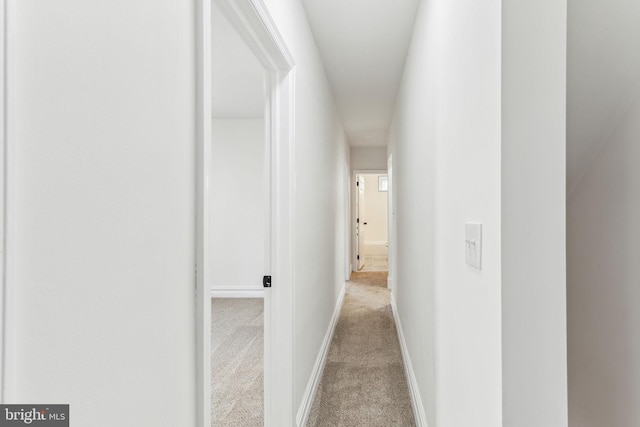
(237, 342)
(363, 383)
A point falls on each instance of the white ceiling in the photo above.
(603, 75)
(238, 78)
(363, 44)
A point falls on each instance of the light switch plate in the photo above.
(473, 244)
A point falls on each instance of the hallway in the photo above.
(364, 381)
(122, 149)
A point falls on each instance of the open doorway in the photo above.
(237, 228)
(371, 224)
(215, 198)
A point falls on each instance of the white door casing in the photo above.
(253, 23)
(361, 224)
(390, 230)
(347, 215)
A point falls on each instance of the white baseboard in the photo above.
(375, 249)
(236, 292)
(389, 282)
(416, 402)
(316, 374)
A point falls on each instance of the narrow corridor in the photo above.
(364, 383)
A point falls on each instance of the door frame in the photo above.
(253, 23)
(347, 221)
(354, 210)
(391, 232)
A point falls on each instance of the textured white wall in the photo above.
(321, 153)
(534, 338)
(445, 143)
(2, 187)
(102, 116)
(237, 219)
(475, 124)
(468, 189)
(602, 293)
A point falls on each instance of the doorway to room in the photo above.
(244, 229)
(237, 225)
(371, 224)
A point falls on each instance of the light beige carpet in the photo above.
(237, 367)
(363, 383)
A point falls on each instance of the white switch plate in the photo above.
(473, 244)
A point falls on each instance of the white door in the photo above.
(348, 236)
(361, 224)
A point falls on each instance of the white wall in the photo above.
(461, 135)
(603, 294)
(104, 263)
(237, 222)
(445, 142)
(321, 152)
(101, 111)
(369, 158)
(237, 78)
(375, 215)
(2, 190)
(534, 338)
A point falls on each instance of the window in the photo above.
(383, 183)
